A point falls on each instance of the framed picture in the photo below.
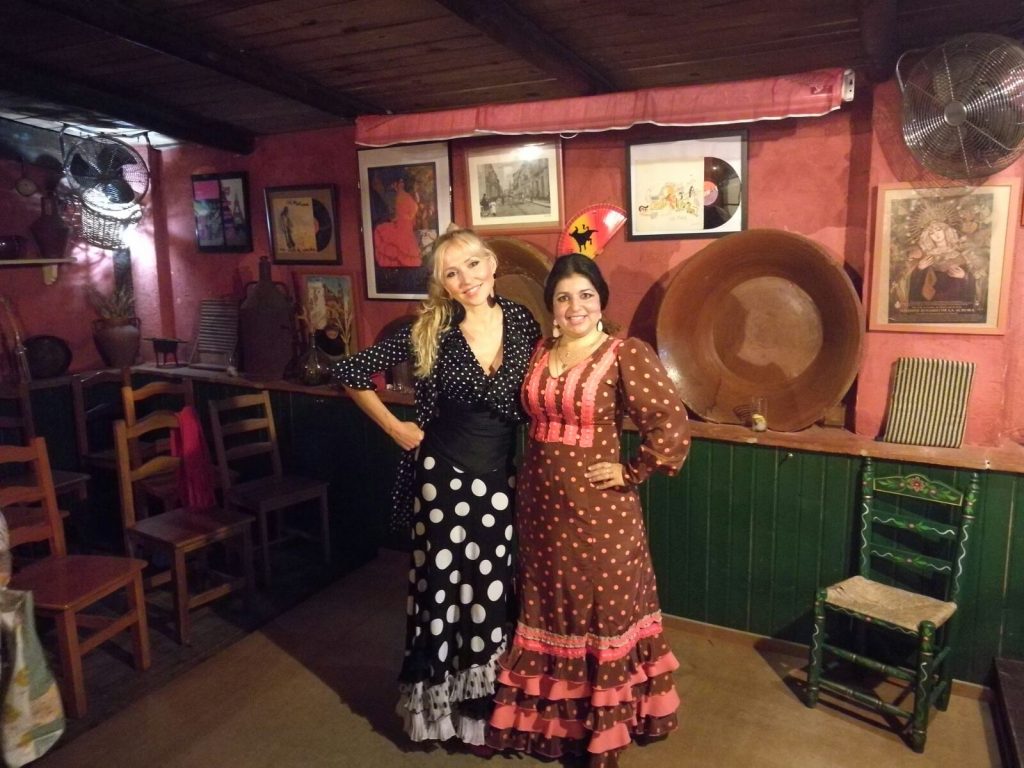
(328, 311)
(943, 258)
(220, 202)
(515, 187)
(687, 188)
(303, 224)
(406, 203)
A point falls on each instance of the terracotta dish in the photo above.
(47, 356)
(766, 317)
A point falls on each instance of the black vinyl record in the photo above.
(323, 225)
(722, 192)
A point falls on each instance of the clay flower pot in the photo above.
(117, 340)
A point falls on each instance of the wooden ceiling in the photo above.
(220, 72)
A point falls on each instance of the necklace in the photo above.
(568, 358)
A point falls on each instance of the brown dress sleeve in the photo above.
(649, 398)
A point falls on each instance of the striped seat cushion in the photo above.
(928, 402)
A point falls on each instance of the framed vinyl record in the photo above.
(303, 224)
(687, 188)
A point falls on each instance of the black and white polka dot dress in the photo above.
(459, 605)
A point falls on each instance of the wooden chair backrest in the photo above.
(132, 398)
(915, 531)
(16, 415)
(132, 470)
(248, 431)
(87, 413)
(38, 493)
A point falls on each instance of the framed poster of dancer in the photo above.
(405, 195)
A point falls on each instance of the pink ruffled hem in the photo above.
(553, 689)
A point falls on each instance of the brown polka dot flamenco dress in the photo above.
(589, 667)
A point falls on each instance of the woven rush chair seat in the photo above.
(889, 604)
(914, 532)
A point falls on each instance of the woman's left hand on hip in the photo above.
(605, 474)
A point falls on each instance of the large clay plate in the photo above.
(761, 314)
(48, 356)
(522, 270)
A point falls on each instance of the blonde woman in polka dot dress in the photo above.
(589, 668)
(455, 484)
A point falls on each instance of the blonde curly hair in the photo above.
(435, 314)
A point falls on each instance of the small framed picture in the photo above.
(220, 202)
(406, 204)
(303, 224)
(943, 258)
(687, 188)
(328, 312)
(515, 187)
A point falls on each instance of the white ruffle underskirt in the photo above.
(416, 700)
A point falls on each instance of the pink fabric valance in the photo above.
(809, 94)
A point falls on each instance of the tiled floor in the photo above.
(315, 687)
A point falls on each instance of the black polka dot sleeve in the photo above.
(355, 371)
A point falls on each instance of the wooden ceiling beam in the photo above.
(501, 22)
(48, 86)
(121, 20)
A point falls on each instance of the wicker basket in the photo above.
(103, 230)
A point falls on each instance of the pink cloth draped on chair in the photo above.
(195, 475)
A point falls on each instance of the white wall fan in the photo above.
(963, 106)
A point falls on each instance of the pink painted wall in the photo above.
(815, 177)
(62, 309)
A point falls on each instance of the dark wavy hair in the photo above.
(574, 264)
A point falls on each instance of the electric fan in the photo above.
(107, 174)
(963, 106)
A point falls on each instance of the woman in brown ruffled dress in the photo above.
(589, 668)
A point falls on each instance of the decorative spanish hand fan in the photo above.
(591, 229)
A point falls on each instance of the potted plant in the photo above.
(116, 330)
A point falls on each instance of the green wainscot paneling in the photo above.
(741, 538)
(329, 438)
(744, 535)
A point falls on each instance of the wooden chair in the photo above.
(243, 428)
(914, 536)
(177, 533)
(18, 420)
(167, 397)
(95, 415)
(65, 586)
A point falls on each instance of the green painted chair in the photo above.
(899, 609)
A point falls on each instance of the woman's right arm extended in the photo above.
(407, 434)
(354, 373)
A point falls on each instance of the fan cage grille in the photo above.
(963, 106)
(107, 174)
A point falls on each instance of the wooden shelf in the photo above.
(49, 266)
(33, 262)
(1008, 457)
